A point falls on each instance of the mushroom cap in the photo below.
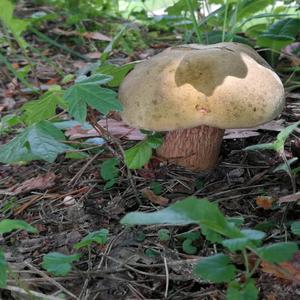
(225, 85)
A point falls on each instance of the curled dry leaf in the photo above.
(155, 198)
(116, 128)
(264, 202)
(288, 270)
(41, 182)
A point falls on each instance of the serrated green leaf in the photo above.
(188, 211)
(94, 79)
(43, 108)
(8, 225)
(3, 270)
(16, 26)
(216, 268)
(59, 264)
(99, 237)
(44, 140)
(87, 91)
(38, 141)
(242, 291)
(278, 253)
(251, 238)
(295, 228)
(117, 72)
(137, 156)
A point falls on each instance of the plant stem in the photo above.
(292, 177)
(195, 22)
(246, 262)
(225, 21)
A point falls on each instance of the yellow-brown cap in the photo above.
(225, 85)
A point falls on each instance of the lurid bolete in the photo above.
(194, 92)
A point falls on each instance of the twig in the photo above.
(33, 293)
(167, 277)
(48, 278)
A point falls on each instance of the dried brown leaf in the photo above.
(155, 198)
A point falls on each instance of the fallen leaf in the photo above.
(116, 128)
(93, 55)
(288, 270)
(151, 196)
(97, 36)
(41, 182)
(264, 202)
(289, 198)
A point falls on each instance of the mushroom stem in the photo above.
(195, 148)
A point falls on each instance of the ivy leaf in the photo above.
(3, 270)
(8, 225)
(239, 291)
(164, 234)
(38, 141)
(43, 108)
(100, 237)
(278, 252)
(188, 247)
(87, 91)
(16, 26)
(109, 169)
(59, 264)
(216, 268)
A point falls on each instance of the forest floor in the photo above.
(65, 200)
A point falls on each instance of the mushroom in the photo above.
(194, 92)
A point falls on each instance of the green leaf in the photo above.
(181, 6)
(155, 187)
(284, 134)
(284, 167)
(242, 291)
(251, 238)
(9, 121)
(117, 72)
(280, 34)
(295, 227)
(3, 270)
(137, 156)
(44, 140)
(164, 234)
(188, 247)
(188, 211)
(59, 264)
(94, 79)
(8, 225)
(266, 146)
(88, 92)
(39, 141)
(278, 253)
(16, 26)
(216, 268)
(154, 141)
(247, 8)
(109, 169)
(43, 108)
(211, 235)
(100, 237)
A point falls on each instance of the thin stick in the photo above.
(167, 277)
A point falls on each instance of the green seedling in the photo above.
(59, 264)
(7, 226)
(219, 268)
(278, 146)
(99, 237)
(110, 172)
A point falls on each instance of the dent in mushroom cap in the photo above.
(226, 85)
